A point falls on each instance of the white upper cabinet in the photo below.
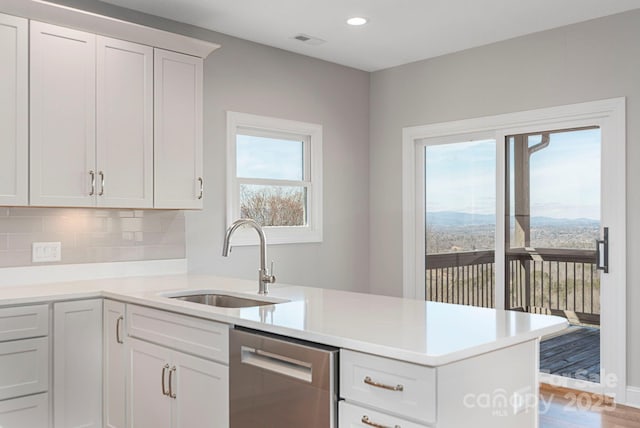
(14, 93)
(91, 120)
(124, 124)
(178, 178)
(63, 99)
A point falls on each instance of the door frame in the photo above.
(610, 115)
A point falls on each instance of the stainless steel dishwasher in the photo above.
(277, 382)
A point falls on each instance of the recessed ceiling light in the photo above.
(357, 20)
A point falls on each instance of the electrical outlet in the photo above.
(46, 252)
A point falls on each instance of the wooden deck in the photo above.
(574, 353)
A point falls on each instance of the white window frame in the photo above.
(610, 116)
(311, 136)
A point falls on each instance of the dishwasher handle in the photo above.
(276, 363)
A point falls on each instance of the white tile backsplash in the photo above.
(91, 235)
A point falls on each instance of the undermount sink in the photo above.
(223, 300)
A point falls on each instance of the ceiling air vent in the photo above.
(309, 40)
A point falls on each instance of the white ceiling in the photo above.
(399, 31)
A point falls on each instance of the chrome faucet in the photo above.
(264, 276)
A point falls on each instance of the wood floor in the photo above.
(563, 408)
(573, 353)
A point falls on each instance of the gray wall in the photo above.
(252, 78)
(583, 62)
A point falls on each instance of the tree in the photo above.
(273, 205)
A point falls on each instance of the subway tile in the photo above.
(45, 212)
(20, 224)
(128, 253)
(160, 252)
(23, 241)
(69, 223)
(15, 258)
(91, 235)
(131, 224)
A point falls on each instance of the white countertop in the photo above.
(426, 333)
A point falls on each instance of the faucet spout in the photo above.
(264, 276)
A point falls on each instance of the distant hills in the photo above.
(454, 218)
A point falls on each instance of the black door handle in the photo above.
(602, 252)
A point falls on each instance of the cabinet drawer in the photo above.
(205, 338)
(393, 386)
(23, 322)
(24, 367)
(352, 416)
(25, 412)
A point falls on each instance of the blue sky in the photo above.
(260, 157)
(565, 176)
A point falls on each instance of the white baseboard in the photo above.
(633, 396)
(87, 271)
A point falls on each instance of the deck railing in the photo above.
(556, 281)
(466, 278)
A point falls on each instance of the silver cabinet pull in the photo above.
(164, 370)
(365, 420)
(93, 183)
(171, 372)
(201, 181)
(369, 381)
(118, 322)
(101, 174)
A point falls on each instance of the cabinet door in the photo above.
(14, 129)
(114, 379)
(62, 111)
(25, 412)
(201, 390)
(178, 176)
(24, 367)
(124, 124)
(77, 364)
(147, 406)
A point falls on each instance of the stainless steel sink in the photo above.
(222, 300)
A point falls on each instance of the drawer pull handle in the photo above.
(118, 338)
(365, 420)
(369, 381)
(164, 371)
(171, 372)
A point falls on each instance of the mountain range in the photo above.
(454, 218)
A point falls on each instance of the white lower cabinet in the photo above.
(24, 366)
(25, 412)
(170, 389)
(352, 416)
(77, 364)
(477, 391)
(115, 365)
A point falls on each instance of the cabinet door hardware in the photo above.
(118, 324)
(365, 420)
(92, 173)
(171, 372)
(164, 370)
(101, 174)
(369, 381)
(201, 181)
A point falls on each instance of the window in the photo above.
(274, 176)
